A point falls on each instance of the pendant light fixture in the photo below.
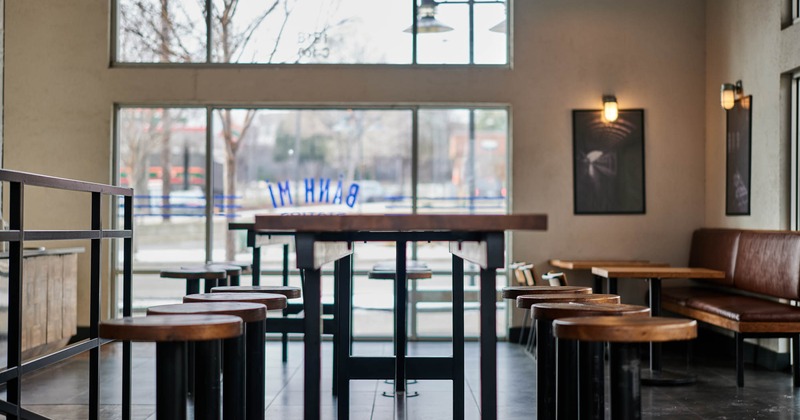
(426, 19)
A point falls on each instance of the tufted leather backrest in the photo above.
(715, 249)
(768, 262)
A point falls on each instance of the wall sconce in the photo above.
(728, 94)
(610, 108)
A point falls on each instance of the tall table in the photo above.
(321, 239)
(654, 275)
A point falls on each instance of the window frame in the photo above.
(794, 150)
(115, 62)
(209, 159)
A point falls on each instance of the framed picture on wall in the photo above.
(608, 162)
(737, 157)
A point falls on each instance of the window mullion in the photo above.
(209, 31)
(209, 245)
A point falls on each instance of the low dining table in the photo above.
(322, 239)
(654, 275)
(597, 286)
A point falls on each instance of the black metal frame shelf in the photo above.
(11, 376)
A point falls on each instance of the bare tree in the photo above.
(170, 33)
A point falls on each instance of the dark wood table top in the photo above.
(658, 272)
(400, 223)
(588, 264)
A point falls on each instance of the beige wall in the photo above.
(650, 54)
(2, 55)
(745, 42)
(60, 93)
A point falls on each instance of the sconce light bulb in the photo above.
(728, 94)
(610, 108)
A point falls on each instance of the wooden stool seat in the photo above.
(232, 274)
(551, 311)
(270, 300)
(195, 273)
(562, 391)
(245, 266)
(172, 333)
(512, 292)
(230, 269)
(616, 329)
(415, 270)
(211, 276)
(248, 312)
(526, 301)
(172, 328)
(291, 292)
(624, 335)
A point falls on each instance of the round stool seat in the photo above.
(195, 273)
(512, 292)
(249, 312)
(526, 301)
(575, 309)
(245, 266)
(415, 270)
(271, 301)
(621, 329)
(291, 292)
(230, 269)
(172, 328)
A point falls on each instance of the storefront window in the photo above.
(311, 32)
(284, 160)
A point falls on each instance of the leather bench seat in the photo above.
(745, 308)
(761, 268)
(681, 295)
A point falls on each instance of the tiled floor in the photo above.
(61, 392)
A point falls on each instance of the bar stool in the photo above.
(171, 333)
(545, 351)
(624, 335)
(291, 292)
(254, 343)
(511, 292)
(283, 324)
(576, 399)
(193, 275)
(415, 270)
(234, 362)
(231, 271)
(234, 280)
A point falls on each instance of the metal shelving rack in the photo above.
(16, 236)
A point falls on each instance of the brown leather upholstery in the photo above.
(746, 308)
(681, 295)
(769, 263)
(762, 262)
(715, 249)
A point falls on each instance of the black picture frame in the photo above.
(738, 148)
(608, 162)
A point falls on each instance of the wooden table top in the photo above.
(400, 222)
(658, 272)
(588, 264)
